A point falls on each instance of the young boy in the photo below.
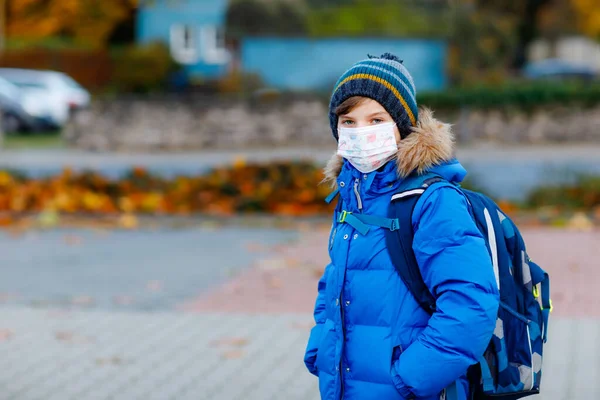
(372, 340)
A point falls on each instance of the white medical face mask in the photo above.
(367, 148)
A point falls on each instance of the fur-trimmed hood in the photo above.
(430, 144)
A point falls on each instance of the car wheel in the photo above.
(10, 123)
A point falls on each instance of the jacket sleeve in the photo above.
(457, 269)
(312, 347)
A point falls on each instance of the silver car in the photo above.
(58, 91)
(20, 111)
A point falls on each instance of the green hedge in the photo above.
(584, 193)
(523, 96)
(141, 68)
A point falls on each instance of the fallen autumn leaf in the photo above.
(154, 286)
(72, 337)
(82, 300)
(6, 334)
(234, 342)
(233, 354)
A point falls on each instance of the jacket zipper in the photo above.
(360, 206)
(343, 315)
(343, 342)
(358, 199)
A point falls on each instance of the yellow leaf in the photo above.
(239, 162)
(128, 221)
(5, 178)
(126, 204)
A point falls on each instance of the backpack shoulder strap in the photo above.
(399, 242)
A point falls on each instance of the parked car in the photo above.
(558, 69)
(20, 111)
(61, 93)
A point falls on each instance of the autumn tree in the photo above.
(588, 16)
(85, 21)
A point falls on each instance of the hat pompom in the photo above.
(390, 56)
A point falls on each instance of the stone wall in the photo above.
(2, 136)
(545, 125)
(194, 123)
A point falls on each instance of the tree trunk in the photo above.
(527, 31)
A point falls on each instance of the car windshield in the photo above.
(8, 89)
(70, 82)
(29, 85)
(24, 79)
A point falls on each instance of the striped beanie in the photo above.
(383, 79)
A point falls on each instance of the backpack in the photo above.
(511, 366)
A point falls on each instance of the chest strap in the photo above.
(332, 196)
(360, 222)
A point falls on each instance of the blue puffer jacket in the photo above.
(371, 340)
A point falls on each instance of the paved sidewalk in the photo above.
(152, 269)
(52, 355)
(244, 340)
(287, 280)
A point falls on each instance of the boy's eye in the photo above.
(377, 120)
(347, 122)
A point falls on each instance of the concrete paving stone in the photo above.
(164, 392)
(304, 387)
(269, 366)
(182, 358)
(185, 395)
(61, 381)
(288, 361)
(97, 378)
(8, 391)
(221, 378)
(558, 359)
(183, 263)
(297, 380)
(198, 391)
(256, 362)
(172, 379)
(83, 391)
(584, 380)
(153, 362)
(130, 393)
(564, 254)
(62, 367)
(27, 380)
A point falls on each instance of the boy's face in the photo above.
(367, 113)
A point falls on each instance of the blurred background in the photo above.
(162, 223)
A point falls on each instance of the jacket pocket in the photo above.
(396, 351)
(312, 347)
(326, 350)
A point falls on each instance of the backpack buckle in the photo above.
(395, 225)
(343, 215)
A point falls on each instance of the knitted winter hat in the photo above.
(383, 79)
